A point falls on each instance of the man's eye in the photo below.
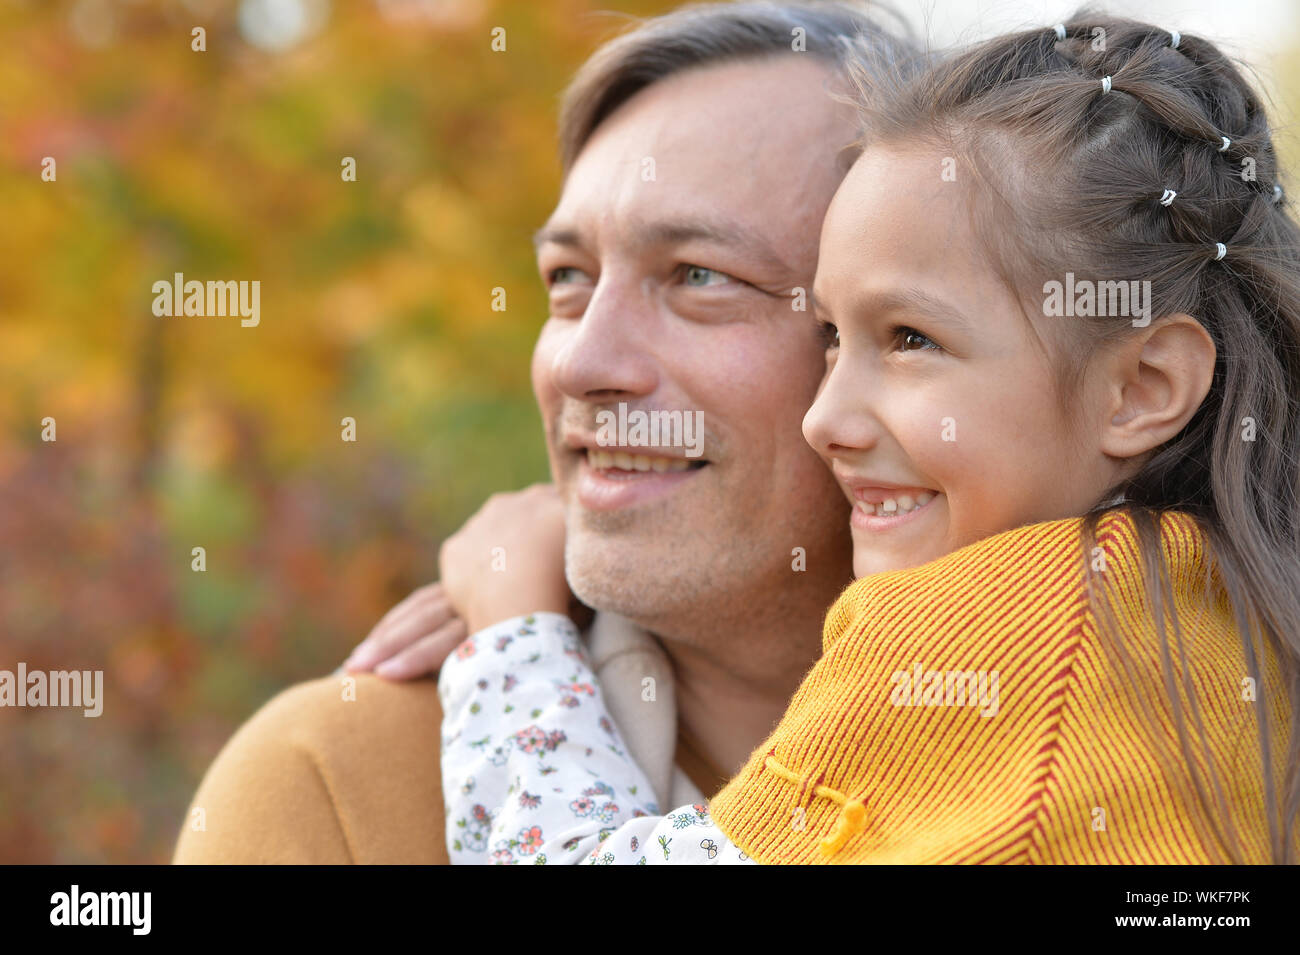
(699, 277)
(909, 339)
(830, 334)
(564, 275)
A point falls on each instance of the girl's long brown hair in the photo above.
(1072, 179)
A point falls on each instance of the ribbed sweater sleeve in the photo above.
(970, 711)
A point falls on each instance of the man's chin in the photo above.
(642, 580)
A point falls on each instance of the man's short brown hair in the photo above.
(844, 34)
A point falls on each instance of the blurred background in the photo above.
(376, 304)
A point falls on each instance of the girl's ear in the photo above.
(1157, 380)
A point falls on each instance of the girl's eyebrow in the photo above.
(914, 300)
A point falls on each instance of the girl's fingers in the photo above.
(415, 602)
(393, 639)
(397, 632)
(426, 655)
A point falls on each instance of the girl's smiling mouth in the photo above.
(883, 507)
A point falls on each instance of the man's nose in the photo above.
(611, 354)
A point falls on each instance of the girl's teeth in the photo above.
(895, 506)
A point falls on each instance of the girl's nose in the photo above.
(840, 419)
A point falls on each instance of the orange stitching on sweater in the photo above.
(770, 762)
(853, 814)
(852, 820)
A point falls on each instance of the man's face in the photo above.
(685, 227)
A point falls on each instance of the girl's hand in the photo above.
(413, 639)
(508, 559)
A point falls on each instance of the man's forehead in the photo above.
(750, 100)
(742, 155)
(752, 129)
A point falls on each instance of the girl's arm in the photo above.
(412, 639)
(507, 559)
(534, 770)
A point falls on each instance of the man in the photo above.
(701, 151)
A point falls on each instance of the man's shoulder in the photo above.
(335, 769)
(329, 714)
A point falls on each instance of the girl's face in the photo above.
(937, 414)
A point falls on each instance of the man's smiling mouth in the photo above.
(619, 463)
(611, 479)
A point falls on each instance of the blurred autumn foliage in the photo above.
(175, 433)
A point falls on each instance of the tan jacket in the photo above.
(315, 778)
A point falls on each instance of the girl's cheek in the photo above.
(960, 455)
(932, 441)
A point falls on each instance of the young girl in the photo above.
(1062, 302)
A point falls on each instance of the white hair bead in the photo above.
(1222, 251)
(1226, 143)
(1105, 84)
(1174, 39)
(1060, 31)
(1168, 197)
(1277, 194)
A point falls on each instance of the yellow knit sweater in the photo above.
(884, 755)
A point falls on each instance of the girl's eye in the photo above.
(565, 275)
(830, 334)
(909, 339)
(700, 277)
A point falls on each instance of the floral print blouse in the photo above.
(534, 770)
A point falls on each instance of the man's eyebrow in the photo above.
(677, 231)
(723, 233)
(556, 234)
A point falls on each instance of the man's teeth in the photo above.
(602, 460)
(894, 506)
